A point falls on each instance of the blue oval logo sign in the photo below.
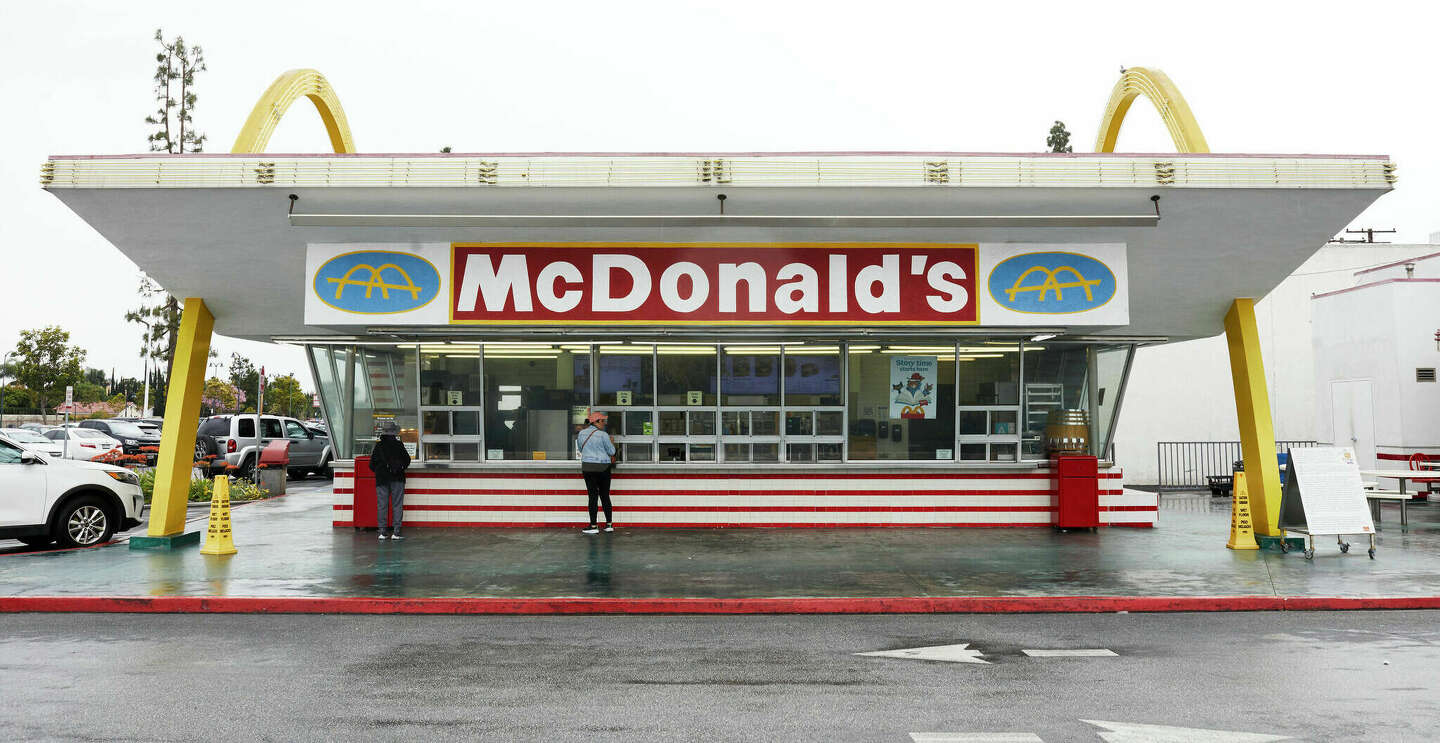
(377, 282)
(1052, 283)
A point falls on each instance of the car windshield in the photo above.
(88, 433)
(124, 429)
(27, 437)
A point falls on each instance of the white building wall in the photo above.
(1183, 391)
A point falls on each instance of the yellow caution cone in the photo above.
(218, 540)
(1242, 528)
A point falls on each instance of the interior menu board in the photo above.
(1323, 493)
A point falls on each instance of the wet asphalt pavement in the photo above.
(1311, 676)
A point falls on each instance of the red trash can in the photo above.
(363, 508)
(1076, 483)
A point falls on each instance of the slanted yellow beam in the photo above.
(182, 417)
(1252, 409)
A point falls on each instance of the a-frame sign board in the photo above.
(1324, 496)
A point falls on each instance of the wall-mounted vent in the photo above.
(1425, 375)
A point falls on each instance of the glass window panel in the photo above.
(989, 374)
(750, 377)
(702, 423)
(799, 423)
(687, 372)
(765, 452)
(830, 452)
(972, 422)
(877, 429)
(465, 423)
(800, 452)
(531, 394)
(812, 376)
(829, 423)
(1000, 452)
(384, 391)
(638, 453)
(627, 369)
(449, 375)
(331, 395)
(638, 423)
(737, 452)
(702, 452)
(765, 423)
(1109, 368)
(466, 452)
(672, 423)
(437, 451)
(735, 423)
(246, 428)
(436, 422)
(1002, 422)
(270, 428)
(1055, 380)
(672, 452)
(972, 452)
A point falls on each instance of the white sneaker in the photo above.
(384, 536)
(590, 530)
(396, 537)
(609, 528)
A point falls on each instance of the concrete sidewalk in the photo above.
(288, 549)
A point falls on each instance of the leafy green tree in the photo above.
(45, 362)
(87, 391)
(95, 376)
(177, 65)
(283, 396)
(1059, 139)
(159, 312)
(244, 376)
(17, 396)
(220, 396)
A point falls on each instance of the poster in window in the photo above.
(912, 387)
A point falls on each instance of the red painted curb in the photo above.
(878, 605)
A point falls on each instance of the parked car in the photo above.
(33, 441)
(36, 427)
(78, 504)
(132, 438)
(239, 439)
(84, 443)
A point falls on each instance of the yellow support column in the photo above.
(1252, 409)
(177, 439)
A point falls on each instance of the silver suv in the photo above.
(239, 438)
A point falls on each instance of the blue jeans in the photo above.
(389, 506)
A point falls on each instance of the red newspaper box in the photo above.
(1075, 479)
(364, 503)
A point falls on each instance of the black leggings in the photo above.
(597, 484)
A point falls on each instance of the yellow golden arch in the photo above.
(1052, 281)
(1156, 86)
(376, 281)
(276, 101)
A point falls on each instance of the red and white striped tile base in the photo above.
(507, 497)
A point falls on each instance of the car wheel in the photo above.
(246, 471)
(84, 522)
(325, 470)
(39, 541)
(297, 474)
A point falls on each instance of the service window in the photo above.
(902, 402)
(536, 396)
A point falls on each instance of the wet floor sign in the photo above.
(218, 540)
(1242, 529)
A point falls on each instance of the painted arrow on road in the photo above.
(1131, 732)
(950, 653)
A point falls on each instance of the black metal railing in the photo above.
(1184, 465)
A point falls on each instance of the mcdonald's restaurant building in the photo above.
(780, 339)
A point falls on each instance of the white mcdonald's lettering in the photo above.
(600, 299)
(481, 277)
(562, 286)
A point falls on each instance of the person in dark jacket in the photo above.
(388, 461)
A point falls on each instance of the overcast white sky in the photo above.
(1351, 78)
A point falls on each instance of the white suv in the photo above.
(78, 504)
